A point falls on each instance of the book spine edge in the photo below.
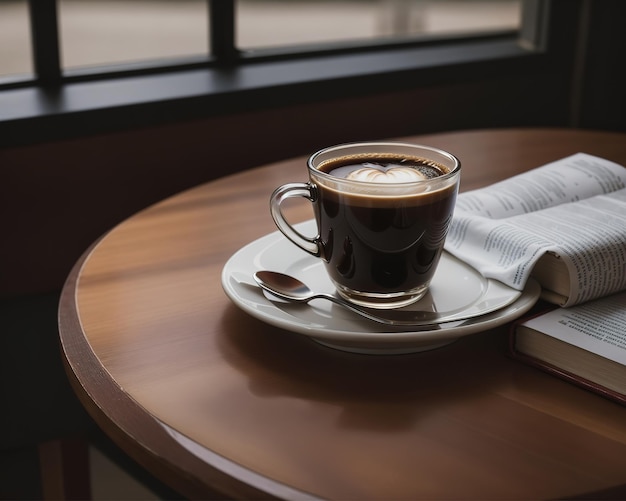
(556, 371)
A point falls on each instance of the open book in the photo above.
(585, 344)
(564, 224)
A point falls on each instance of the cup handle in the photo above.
(291, 190)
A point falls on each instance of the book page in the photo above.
(575, 208)
(597, 326)
(570, 179)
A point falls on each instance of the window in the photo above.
(104, 32)
(98, 33)
(221, 68)
(15, 46)
(275, 23)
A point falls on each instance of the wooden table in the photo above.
(215, 402)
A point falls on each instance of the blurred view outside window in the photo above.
(103, 32)
(15, 48)
(274, 23)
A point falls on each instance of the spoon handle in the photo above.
(354, 308)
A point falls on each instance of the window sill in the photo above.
(30, 115)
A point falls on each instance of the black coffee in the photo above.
(381, 244)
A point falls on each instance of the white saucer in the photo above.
(459, 298)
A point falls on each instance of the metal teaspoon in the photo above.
(291, 289)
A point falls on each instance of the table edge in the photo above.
(131, 427)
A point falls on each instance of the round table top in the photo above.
(216, 402)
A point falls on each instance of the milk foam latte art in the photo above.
(392, 174)
(370, 170)
(383, 211)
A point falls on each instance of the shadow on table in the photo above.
(279, 363)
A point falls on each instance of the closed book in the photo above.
(584, 344)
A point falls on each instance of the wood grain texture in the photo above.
(152, 344)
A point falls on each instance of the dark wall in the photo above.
(599, 97)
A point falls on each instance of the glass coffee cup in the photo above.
(382, 211)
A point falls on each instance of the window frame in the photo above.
(60, 104)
